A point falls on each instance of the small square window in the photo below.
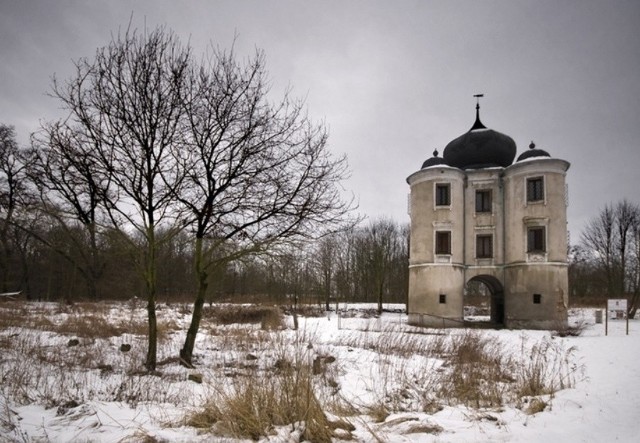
(483, 200)
(537, 299)
(535, 189)
(443, 242)
(443, 298)
(535, 239)
(443, 194)
(484, 246)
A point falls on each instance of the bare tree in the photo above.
(612, 240)
(127, 102)
(13, 192)
(383, 244)
(260, 174)
(326, 259)
(71, 185)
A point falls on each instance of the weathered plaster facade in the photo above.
(495, 221)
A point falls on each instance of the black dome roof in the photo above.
(433, 161)
(533, 152)
(480, 148)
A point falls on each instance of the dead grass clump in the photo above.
(378, 412)
(566, 330)
(311, 311)
(478, 375)
(268, 317)
(424, 428)
(548, 368)
(12, 314)
(88, 326)
(536, 405)
(255, 404)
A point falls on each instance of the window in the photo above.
(443, 197)
(535, 189)
(484, 246)
(535, 239)
(537, 299)
(443, 242)
(483, 200)
(443, 298)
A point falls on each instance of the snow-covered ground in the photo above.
(373, 362)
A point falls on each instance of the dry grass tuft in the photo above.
(89, 326)
(478, 374)
(548, 369)
(255, 404)
(269, 317)
(535, 406)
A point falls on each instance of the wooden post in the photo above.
(627, 315)
(606, 319)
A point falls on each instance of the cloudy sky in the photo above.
(394, 80)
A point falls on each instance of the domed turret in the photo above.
(533, 152)
(480, 148)
(433, 161)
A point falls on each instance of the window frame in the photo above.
(442, 199)
(484, 242)
(535, 189)
(484, 205)
(535, 240)
(439, 250)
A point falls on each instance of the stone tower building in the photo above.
(478, 216)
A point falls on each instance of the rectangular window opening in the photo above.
(535, 189)
(536, 240)
(483, 200)
(443, 242)
(443, 194)
(537, 299)
(484, 246)
(443, 298)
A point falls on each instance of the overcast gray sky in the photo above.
(393, 79)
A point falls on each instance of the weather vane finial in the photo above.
(478, 124)
(477, 96)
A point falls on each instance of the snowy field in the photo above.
(66, 377)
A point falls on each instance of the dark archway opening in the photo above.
(484, 302)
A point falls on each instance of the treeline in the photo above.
(47, 262)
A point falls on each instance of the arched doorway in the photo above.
(484, 300)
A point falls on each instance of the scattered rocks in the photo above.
(251, 357)
(64, 408)
(73, 342)
(320, 364)
(197, 378)
(105, 369)
(125, 347)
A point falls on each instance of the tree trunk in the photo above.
(152, 352)
(186, 353)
